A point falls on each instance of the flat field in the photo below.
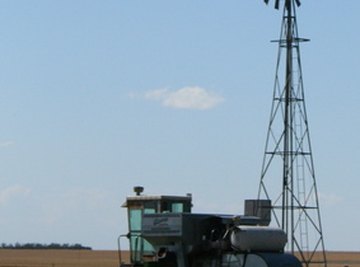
(96, 258)
(58, 258)
(341, 259)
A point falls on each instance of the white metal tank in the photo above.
(258, 238)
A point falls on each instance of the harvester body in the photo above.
(163, 232)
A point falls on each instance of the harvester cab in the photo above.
(164, 233)
(137, 207)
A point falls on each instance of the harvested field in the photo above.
(350, 259)
(96, 258)
(58, 258)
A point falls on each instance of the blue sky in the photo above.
(99, 96)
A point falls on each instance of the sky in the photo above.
(100, 96)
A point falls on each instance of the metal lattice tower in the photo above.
(288, 157)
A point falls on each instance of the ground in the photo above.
(96, 258)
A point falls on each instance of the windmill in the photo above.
(288, 159)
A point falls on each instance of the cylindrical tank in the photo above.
(258, 238)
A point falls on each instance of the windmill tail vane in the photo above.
(287, 3)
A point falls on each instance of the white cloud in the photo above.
(186, 98)
(12, 192)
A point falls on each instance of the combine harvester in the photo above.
(164, 233)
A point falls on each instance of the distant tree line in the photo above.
(43, 246)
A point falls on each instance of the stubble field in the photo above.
(58, 258)
(96, 258)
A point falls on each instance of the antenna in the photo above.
(288, 153)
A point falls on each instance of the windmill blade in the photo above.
(277, 3)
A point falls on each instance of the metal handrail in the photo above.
(119, 247)
(134, 258)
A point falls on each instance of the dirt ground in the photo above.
(341, 259)
(58, 258)
(96, 258)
